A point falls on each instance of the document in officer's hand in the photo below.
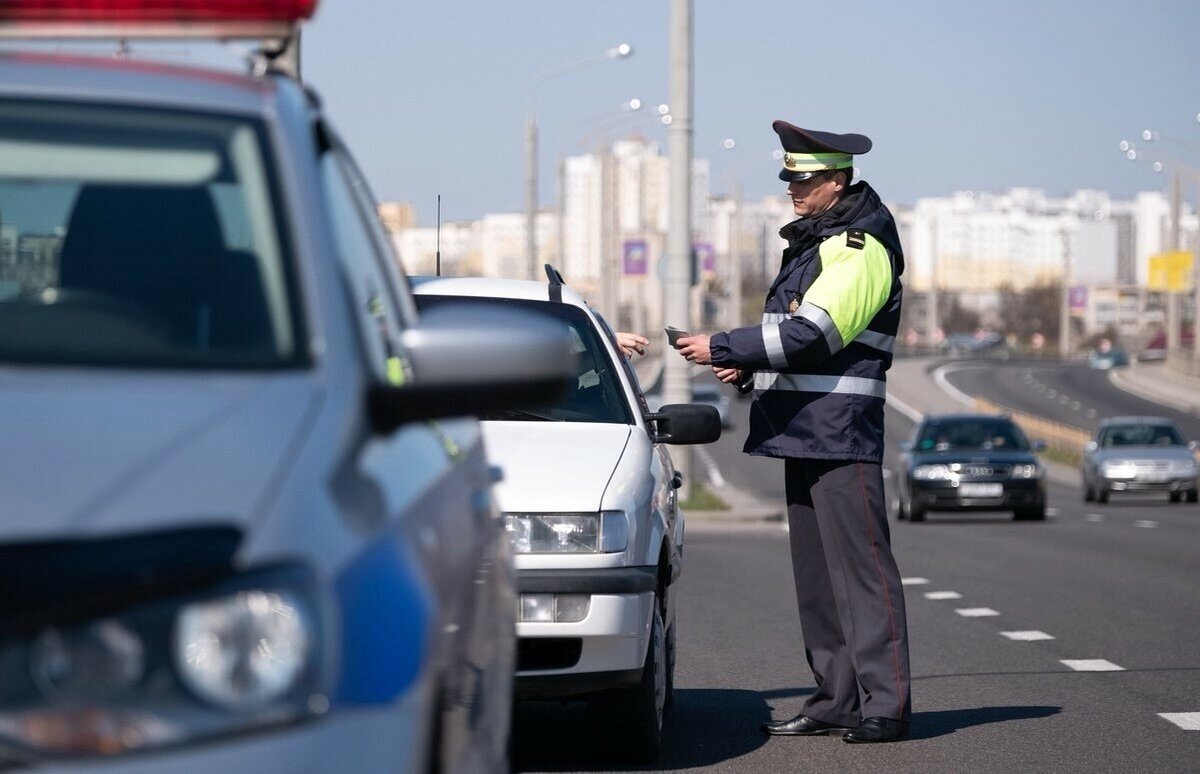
(675, 334)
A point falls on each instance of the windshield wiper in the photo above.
(519, 414)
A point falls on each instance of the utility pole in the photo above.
(531, 195)
(735, 259)
(677, 284)
(931, 315)
(1064, 312)
(1173, 341)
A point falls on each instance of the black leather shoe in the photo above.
(877, 730)
(802, 725)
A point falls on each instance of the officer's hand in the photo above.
(727, 375)
(694, 348)
(631, 342)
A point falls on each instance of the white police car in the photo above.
(589, 494)
(234, 537)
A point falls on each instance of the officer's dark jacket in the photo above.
(829, 327)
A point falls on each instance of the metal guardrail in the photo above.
(1065, 441)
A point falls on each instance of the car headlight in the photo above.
(242, 655)
(567, 533)
(932, 473)
(1027, 471)
(1119, 470)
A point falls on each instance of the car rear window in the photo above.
(131, 236)
(982, 434)
(594, 396)
(1140, 435)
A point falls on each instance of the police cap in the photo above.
(807, 152)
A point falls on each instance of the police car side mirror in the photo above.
(685, 423)
(474, 360)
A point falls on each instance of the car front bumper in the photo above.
(947, 496)
(607, 649)
(383, 738)
(1149, 485)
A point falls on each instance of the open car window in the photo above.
(594, 396)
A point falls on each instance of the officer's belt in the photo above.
(822, 383)
(774, 345)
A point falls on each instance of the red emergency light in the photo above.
(152, 18)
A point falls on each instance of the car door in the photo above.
(452, 523)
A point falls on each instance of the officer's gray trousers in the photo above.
(849, 591)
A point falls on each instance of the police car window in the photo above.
(366, 279)
(140, 237)
(595, 395)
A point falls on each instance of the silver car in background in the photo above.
(1139, 455)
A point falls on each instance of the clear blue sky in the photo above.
(956, 94)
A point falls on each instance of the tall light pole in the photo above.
(622, 51)
(734, 287)
(677, 282)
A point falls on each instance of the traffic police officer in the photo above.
(818, 364)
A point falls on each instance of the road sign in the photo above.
(1171, 271)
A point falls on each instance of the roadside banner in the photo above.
(1171, 271)
(635, 257)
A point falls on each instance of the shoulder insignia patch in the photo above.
(856, 238)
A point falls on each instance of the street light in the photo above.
(620, 51)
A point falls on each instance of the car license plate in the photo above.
(981, 490)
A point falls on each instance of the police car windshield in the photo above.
(139, 237)
(594, 396)
(974, 434)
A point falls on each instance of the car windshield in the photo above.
(1140, 435)
(138, 237)
(594, 396)
(975, 434)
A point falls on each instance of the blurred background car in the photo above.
(1104, 359)
(975, 344)
(970, 462)
(1139, 455)
(589, 495)
(240, 540)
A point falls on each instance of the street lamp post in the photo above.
(734, 287)
(622, 51)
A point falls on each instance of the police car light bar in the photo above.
(216, 19)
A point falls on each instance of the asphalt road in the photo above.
(1114, 583)
(1072, 394)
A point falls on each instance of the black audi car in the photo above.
(963, 462)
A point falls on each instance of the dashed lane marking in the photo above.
(1145, 524)
(976, 612)
(1076, 405)
(1029, 636)
(710, 466)
(942, 595)
(1090, 413)
(1052, 394)
(1052, 511)
(1092, 665)
(904, 408)
(1095, 518)
(1188, 721)
(914, 581)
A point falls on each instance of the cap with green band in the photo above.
(808, 152)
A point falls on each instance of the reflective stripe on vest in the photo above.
(880, 341)
(846, 385)
(773, 345)
(820, 318)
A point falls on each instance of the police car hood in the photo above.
(106, 453)
(554, 466)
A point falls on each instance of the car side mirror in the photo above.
(1038, 445)
(906, 446)
(1090, 447)
(472, 360)
(1194, 445)
(684, 423)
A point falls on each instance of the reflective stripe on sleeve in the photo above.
(773, 344)
(880, 341)
(820, 318)
(774, 317)
(846, 385)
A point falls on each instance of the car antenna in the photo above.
(438, 253)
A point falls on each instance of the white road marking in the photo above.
(976, 612)
(1188, 721)
(942, 595)
(1090, 413)
(1092, 665)
(1095, 518)
(939, 376)
(1052, 394)
(1052, 511)
(1076, 405)
(1040, 387)
(710, 465)
(904, 408)
(1145, 523)
(1028, 636)
(1064, 399)
(914, 581)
